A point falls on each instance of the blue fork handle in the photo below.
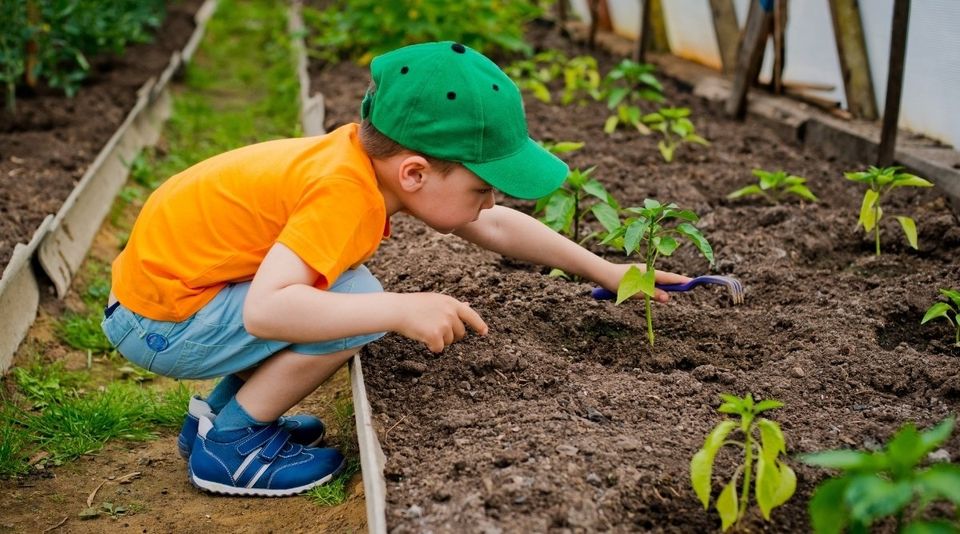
(600, 293)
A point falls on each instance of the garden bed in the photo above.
(562, 417)
(47, 145)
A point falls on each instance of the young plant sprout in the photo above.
(564, 208)
(944, 309)
(624, 87)
(645, 232)
(775, 481)
(580, 76)
(881, 181)
(886, 483)
(676, 129)
(775, 186)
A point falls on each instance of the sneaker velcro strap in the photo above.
(258, 439)
(275, 445)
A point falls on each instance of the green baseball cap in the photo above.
(450, 102)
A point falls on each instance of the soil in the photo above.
(564, 419)
(48, 143)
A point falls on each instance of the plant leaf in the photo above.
(611, 124)
(606, 215)
(635, 232)
(909, 180)
(940, 526)
(827, 513)
(634, 282)
(596, 189)
(942, 480)
(768, 479)
(845, 460)
(699, 241)
(769, 404)
(932, 438)
(803, 192)
(952, 295)
(867, 218)
(788, 485)
(909, 228)
(746, 191)
(701, 466)
(666, 150)
(772, 438)
(727, 504)
(939, 309)
(666, 245)
(870, 497)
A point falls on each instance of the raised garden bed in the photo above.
(562, 417)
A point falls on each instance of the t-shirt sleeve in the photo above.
(326, 228)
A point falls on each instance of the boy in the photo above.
(248, 266)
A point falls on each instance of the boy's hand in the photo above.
(437, 320)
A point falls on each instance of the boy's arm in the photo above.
(517, 235)
(282, 304)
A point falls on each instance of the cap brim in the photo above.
(530, 173)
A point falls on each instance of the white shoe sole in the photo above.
(223, 489)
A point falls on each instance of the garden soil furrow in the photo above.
(563, 418)
(47, 145)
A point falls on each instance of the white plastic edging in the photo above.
(63, 250)
(19, 295)
(371, 455)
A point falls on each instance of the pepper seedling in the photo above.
(623, 88)
(775, 186)
(886, 483)
(944, 309)
(580, 76)
(676, 129)
(646, 232)
(566, 207)
(775, 481)
(881, 182)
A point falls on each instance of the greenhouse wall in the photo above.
(931, 74)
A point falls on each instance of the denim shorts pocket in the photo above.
(206, 360)
(117, 327)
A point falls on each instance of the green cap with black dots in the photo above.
(450, 102)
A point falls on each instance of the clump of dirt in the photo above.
(564, 418)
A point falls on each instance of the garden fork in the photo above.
(732, 284)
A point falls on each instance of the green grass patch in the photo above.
(82, 331)
(55, 415)
(335, 492)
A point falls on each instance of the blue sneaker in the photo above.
(304, 429)
(258, 461)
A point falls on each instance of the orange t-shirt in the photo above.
(213, 223)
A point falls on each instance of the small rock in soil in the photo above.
(798, 372)
(567, 450)
(412, 367)
(939, 455)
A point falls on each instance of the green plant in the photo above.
(943, 309)
(82, 331)
(881, 182)
(646, 232)
(623, 88)
(363, 29)
(886, 483)
(535, 74)
(775, 481)
(564, 208)
(676, 129)
(775, 186)
(334, 492)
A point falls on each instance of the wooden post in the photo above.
(779, 44)
(854, 63)
(727, 31)
(561, 14)
(643, 40)
(891, 110)
(594, 6)
(658, 28)
(749, 57)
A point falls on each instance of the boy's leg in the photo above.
(225, 389)
(259, 401)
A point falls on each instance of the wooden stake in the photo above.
(594, 6)
(640, 53)
(653, 31)
(891, 110)
(727, 31)
(854, 62)
(749, 58)
(779, 45)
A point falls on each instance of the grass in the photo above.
(56, 416)
(335, 492)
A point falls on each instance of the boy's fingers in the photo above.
(661, 296)
(459, 331)
(664, 277)
(472, 318)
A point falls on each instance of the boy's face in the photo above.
(446, 203)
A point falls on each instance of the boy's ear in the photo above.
(412, 172)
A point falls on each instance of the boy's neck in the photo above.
(386, 170)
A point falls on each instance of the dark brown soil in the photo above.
(562, 418)
(47, 145)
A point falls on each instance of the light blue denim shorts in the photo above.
(213, 342)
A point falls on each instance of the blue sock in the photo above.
(225, 390)
(234, 417)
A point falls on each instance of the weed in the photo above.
(13, 445)
(624, 87)
(775, 481)
(886, 483)
(646, 232)
(880, 182)
(82, 331)
(580, 76)
(775, 186)
(944, 309)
